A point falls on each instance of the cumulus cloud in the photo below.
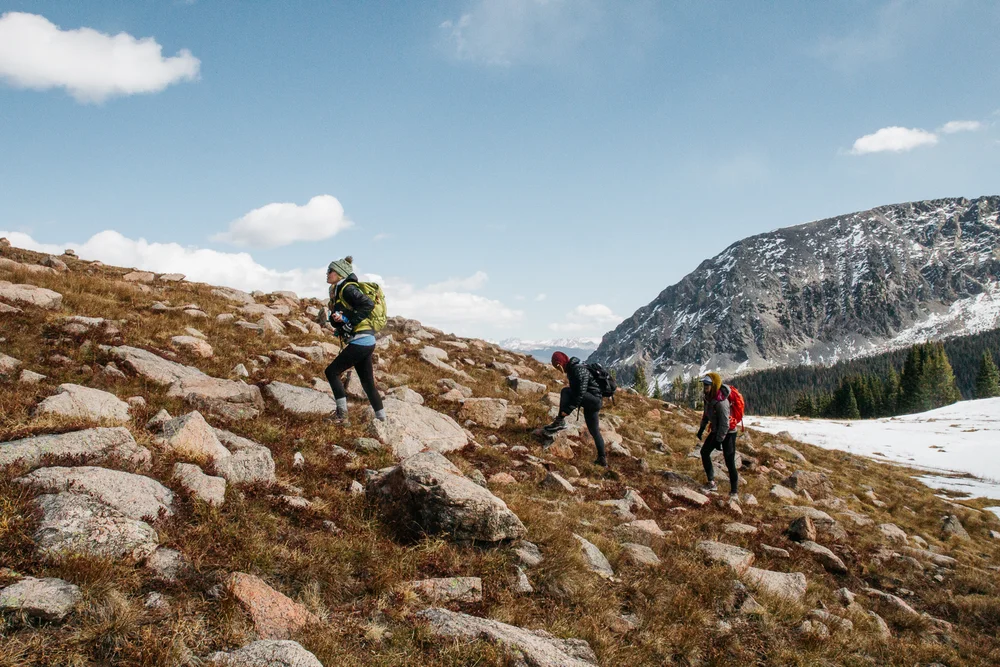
(447, 305)
(507, 32)
(588, 318)
(280, 224)
(90, 65)
(953, 126)
(893, 139)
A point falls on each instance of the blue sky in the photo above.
(530, 168)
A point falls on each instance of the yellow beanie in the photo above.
(716, 382)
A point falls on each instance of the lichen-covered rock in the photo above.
(152, 367)
(737, 558)
(266, 653)
(535, 648)
(135, 496)
(93, 446)
(8, 365)
(824, 557)
(194, 345)
(250, 463)
(87, 403)
(643, 531)
(274, 615)
(411, 428)
(49, 599)
(639, 554)
(815, 483)
(426, 493)
(190, 436)
(487, 412)
(952, 527)
(595, 559)
(786, 585)
(204, 487)
(75, 523)
(448, 589)
(167, 565)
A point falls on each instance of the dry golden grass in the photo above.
(352, 578)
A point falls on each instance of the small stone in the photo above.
(688, 495)
(521, 583)
(595, 560)
(775, 551)
(555, 481)
(639, 554)
(448, 589)
(952, 527)
(194, 345)
(814, 629)
(501, 479)
(368, 445)
(739, 529)
(645, 532)
(787, 585)
(802, 529)
(136, 402)
(274, 615)
(211, 490)
(30, 377)
(528, 553)
(240, 371)
(825, 557)
(298, 460)
(356, 489)
(80, 402)
(155, 602)
(49, 599)
(266, 653)
(783, 492)
(737, 558)
(167, 565)
(893, 533)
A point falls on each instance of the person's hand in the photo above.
(338, 317)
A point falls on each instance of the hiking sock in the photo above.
(342, 405)
(380, 415)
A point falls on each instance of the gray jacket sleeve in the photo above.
(720, 421)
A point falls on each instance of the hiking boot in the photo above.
(710, 486)
(734, 496)
(558, 425)
(601, 461)
(339, 418)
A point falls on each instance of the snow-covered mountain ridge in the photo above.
(543, 349)
(829, 290)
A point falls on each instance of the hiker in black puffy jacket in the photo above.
(349, 312)
(582, 392)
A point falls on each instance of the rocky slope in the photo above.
(824, 291)
(171, 495)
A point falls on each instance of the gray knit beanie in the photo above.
(344, 267)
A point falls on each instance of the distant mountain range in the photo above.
(822, 292)
(543, 349)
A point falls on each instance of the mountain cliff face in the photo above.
(834, 289)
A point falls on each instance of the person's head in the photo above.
(712, 383)
(559, 360)
(339, 269)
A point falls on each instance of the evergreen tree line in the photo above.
(777, 391)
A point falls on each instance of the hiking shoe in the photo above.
(601, 461)
(734, 496)
(710, 486)
(339, 418)
(556, 426)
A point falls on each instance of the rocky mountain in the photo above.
(829, 290)
(543, 349)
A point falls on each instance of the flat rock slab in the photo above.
(783, 493)
(556, 482)
(688, 495)
(49, 599)
(135, 496)
(274, 615)
(426, 493)
(80, 402)
(437, 358)
(535, 648)
(266, 653)
(737, 558)
(594, 557)
(642, 531)
(448, 589)
(526, 387)
(234, 295)
(203, 389)
(8, 364)
(410, 428)
(786, 585)
(93, 445)
(74, 523)
(79, 325)
(29, 295)
(300, 400)
(739, 529)
(152, 367)
(194, 345)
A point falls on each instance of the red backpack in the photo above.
(736, 408)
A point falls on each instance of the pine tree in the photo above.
(910, 390)
(805, 406)
(677, 390)
(890, 394)
(988, 379)
(845, 403)
(694, 393)
(937, 378)
(657, 392)
(640, 384)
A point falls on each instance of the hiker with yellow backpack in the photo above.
(357, 312)
(723, 412)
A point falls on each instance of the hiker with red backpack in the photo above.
(356, 317)
(584, 391)
(723, 413)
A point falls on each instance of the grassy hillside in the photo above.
(351, 573)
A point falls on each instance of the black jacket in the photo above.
(348, 300)
(580, 383)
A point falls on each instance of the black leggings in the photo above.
(729, 452)
(591, 410)
(358, 357)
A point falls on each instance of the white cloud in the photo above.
(381, 236)
(90, 65)
(953, 126)
(588, 318)
(541, 297)
(449, 304)
(893, 139)
(507, 32)
(471, 284)
(280, 224)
